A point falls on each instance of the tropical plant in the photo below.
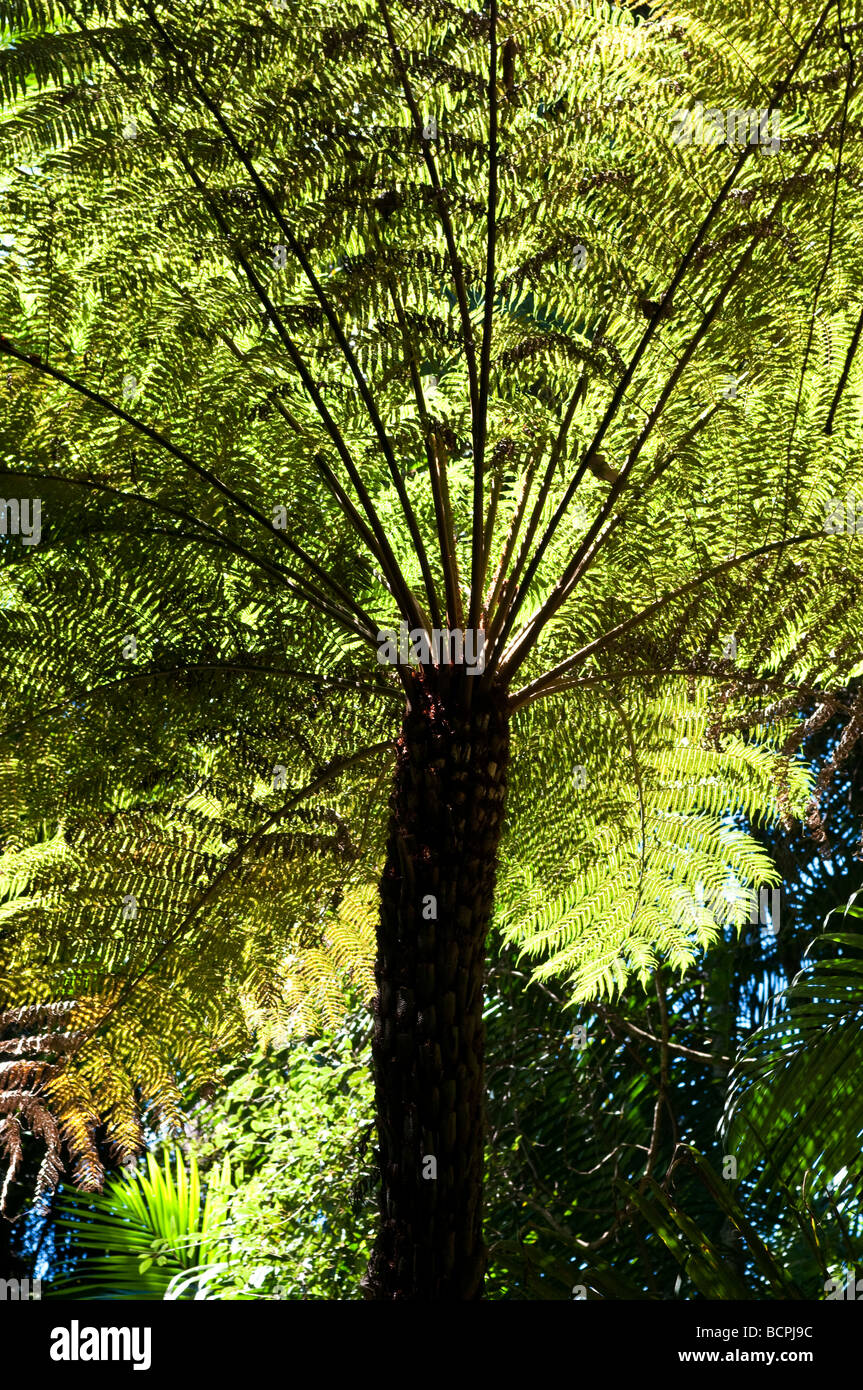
(325, 319)
(145, 1229)
(794, 1103)
(593, 1180)
(753, 1267)
(298, 1124)
(267, 1195)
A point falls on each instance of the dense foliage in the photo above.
(321, 318)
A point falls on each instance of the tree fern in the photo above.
(325, 319)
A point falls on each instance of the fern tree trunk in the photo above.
(437, 894)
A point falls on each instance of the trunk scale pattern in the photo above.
(437, 894)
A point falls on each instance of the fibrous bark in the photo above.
(437, 894)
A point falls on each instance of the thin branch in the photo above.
(664, 1080)
(849, 87)
(506, 586)
(846, 372)
(530, 691)
(317, 601)
(644, 343)
(178, 672)
(356, 520)
(436, 462)
(450, 558)
(480, 540)
(731, 677)
(404, 597)
(490, 519)
(218, 536)
(323, 299)
(343, 501)
(657, 1042)
(445, 220)
(407, 600)
(586, 552)
(498, 585)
